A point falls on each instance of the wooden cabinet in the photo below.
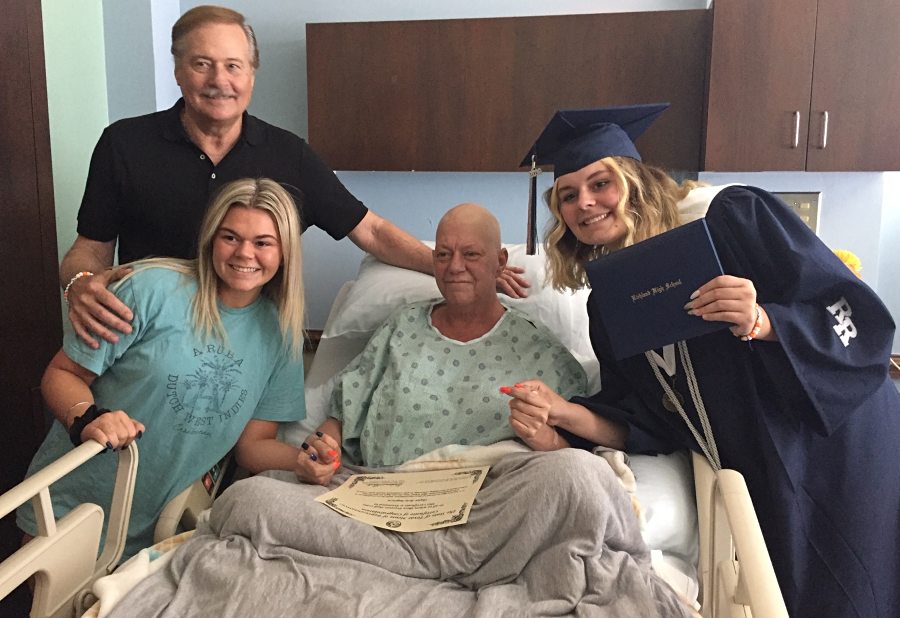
(804, 85)
(473, 94)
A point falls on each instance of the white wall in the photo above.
(163, 14)
(889, 264)
(127, 30)
(76, 101)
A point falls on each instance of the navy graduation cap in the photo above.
(577, 137)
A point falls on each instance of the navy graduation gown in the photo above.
(812, 421)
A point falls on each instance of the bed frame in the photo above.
(63, 556)
(736, 575)
(735, 571)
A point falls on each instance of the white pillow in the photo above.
(379, 289)
(665, 489)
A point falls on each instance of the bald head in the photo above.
(468, 258)
(473, 220)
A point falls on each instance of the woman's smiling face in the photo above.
(246, 254)
(588, 201)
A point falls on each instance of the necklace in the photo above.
(707, 441)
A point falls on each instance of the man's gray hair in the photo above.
(209, 14)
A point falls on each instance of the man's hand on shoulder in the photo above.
(94, 310)
(512, 283)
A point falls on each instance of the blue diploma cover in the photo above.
(639, 292)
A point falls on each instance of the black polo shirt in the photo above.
(148, 184)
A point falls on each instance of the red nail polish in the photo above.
(505, 390)
(332, 453)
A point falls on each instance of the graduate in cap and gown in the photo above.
(794, 387)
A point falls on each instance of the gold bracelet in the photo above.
(757, 326)
(69, 409)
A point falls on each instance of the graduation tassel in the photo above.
(531, 233)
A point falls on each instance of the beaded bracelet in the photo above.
(757, 326)
(79, 275)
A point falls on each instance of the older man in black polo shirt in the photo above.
(151, 176)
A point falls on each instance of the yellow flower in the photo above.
(850, 260)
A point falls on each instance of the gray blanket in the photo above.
(550, 534)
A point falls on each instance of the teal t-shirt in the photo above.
(195, 396)
(413, 390)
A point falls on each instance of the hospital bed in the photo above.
(700, 524)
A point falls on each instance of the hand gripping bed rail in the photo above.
(72, 541)
(736, 574)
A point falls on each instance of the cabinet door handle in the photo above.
(824, 130)
(795, 142)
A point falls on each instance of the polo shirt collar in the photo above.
(252, 130)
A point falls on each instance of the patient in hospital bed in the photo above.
(433, 374)
(550, 533)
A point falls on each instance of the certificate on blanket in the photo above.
(408, 501)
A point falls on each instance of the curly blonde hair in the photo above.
(648, 199)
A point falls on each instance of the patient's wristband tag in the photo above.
(90, 415)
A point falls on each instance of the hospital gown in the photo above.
(413, 390)
(811, 421)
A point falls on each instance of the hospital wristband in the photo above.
(757, 326)
(79, 275)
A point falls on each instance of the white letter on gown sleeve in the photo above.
(844, 328)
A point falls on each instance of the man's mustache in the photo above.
(216, 93)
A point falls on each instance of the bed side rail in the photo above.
(182, 512)
(736, 573)
(63, 555)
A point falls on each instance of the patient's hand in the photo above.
(538, 400)
(319, 459)
(511, 282)
(529, 413)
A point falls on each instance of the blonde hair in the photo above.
(285, 289)
(648, 205)
(209, 14)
